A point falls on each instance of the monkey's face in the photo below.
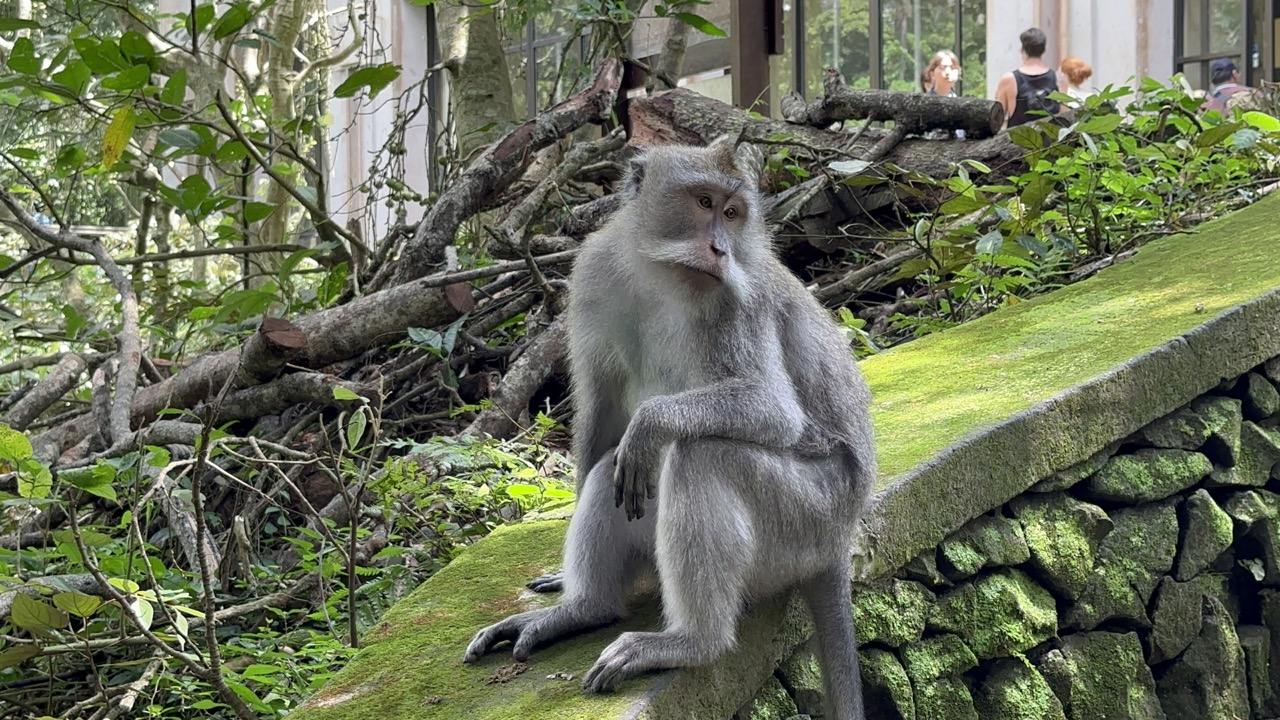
(703, 217)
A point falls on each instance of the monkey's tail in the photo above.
(828, 597)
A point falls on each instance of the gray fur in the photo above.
(734, 403)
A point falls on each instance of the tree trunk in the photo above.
(480, 83)
(286, 27)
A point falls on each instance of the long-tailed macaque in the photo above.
(721, 430)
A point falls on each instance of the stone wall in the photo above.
(1142, 583)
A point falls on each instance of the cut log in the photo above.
(64, 376)
(684, 116)
(913, 112)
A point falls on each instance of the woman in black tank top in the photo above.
(1032, 95)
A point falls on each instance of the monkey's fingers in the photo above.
(619, 485)
(549, 583)
(490, 636)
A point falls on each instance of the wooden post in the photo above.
(753, 32)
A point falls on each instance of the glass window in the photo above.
(913, 31)
(1226, 25)
(1192, 27)
(836, 33)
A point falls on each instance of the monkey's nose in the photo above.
(718, 250)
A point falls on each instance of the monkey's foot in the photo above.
(631, 654)
(549, 583)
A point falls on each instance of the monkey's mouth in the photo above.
(702, 275)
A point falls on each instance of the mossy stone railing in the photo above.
(966, 420)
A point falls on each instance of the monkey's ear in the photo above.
(633, 177)
(750, 160)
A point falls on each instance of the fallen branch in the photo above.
(544, 356)
(496, 169)
(913, 112)
(853, 280)
(275, 397)
(129, 351)
(55, 384)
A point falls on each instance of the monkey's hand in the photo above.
(636, 465)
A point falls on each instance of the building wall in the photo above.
(1123, 40)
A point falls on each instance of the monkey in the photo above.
(706, 378)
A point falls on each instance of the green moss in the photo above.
(987, 541)
(891, 612)
(1210, 424)
(410, 665)
(934, 666)
(1132, 557)
(1258, 452)
(1102, 675)
(997, 614)
(1147, 475)
(1015, 690)
(933, 391)
(802, 677)
(1063, 535)
(1208, 532)
(886, 688)
(771, 703)
(1261, 400)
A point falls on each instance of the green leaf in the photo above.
(70, 158)
(181, 138)
(1216, 134)
(14, 446)
(203, 16)
(699, 23)
(18, 655)
(11, 23)
(375, 77)
(1034, 194)
(232, 151)
(255, 211)
(1027, 136)
(1262, 121)
(77, 603)
(96, 480)
(102, 57)
(145, 610)
(25, 153)
(32, 613)
(1100, 124)
(117, 136)
(126, 80)
(235, 17)
(990, 243)
(341, 393)
(34, 479)
(961, 204)
(136, 48)
(124, 585)
(1245, 138)
(74, 77)
(356, 425)
(22, 58)
(183, 628)
(518, 490)
(205, 705)
(175, 89)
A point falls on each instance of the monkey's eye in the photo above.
(731, 212)
(704, 201)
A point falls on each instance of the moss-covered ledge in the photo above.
(967, 419)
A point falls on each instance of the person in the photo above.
(926, 82)
(1224, 77)
(1026, 90)
(1077, 71)
(943, 72)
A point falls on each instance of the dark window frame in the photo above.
(1241, 54)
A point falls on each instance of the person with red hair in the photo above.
(1077, 71)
